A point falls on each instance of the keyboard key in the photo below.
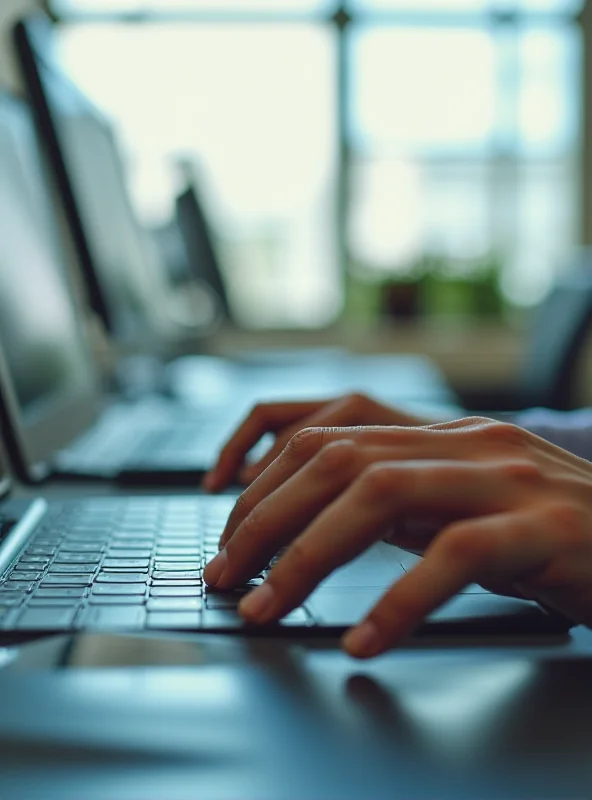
(67, 580)
(106, 589)
(133, 544)
(31, 562)
(73, 558)
(126, 563)
(72, 569)
(175, 591)
(10, 601)
(41, 551)
(174, 620)
(121, 577)
(122, 617)
(79, 548)
(25, 576)
(224, 599)
(16, 586)
(58, 592)
(45, 619)
(87, 537)
(196, 582)
(174, 575)
(122, 552)
(44, 602)
(180, 541)
(179, 553)
(175, 604)
(117, 600)
(176, 566)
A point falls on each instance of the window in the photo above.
(354, 136)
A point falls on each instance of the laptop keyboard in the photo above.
(129, 564)
(147, 435)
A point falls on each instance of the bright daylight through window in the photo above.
(389, 142)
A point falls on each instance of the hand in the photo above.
(510, 511)
(286, 419)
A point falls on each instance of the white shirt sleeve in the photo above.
(571, 430)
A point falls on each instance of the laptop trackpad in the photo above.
(379, 566)
(349, 593)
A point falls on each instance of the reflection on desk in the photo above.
(233, 717)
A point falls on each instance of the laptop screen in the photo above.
(125, 265)
(41, 337)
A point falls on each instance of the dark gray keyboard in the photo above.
(128, 564)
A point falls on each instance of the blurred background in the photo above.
(408, 174)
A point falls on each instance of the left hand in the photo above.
(509, 511)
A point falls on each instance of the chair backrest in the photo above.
(559, 333)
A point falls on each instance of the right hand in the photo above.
(286, 419)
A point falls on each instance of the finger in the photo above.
(264, 418)
(360, 516)
(499, 547)
(283, 515)
(388, 444)
(269, 516)
(301, 449)
(251, 472)
(348, 411)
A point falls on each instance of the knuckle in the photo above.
(304, 444)
(463, 546)
(249, 526)
(241, 509)
(357, 400)
(570, 519)
(303, 560)
(474, 421)
(377, 482)
(504, 433)
(337, 457)
(260, 412)
(522, 471)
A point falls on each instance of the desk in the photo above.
(224, 717)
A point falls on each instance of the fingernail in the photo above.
(363, 640)
(213, 571)
(257, 605)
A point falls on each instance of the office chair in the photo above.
(549, 370)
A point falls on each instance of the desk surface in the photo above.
(207, 716)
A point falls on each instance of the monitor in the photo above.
(199, 244)
(47, 368)
(122, 268)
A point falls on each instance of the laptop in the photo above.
(61, 421)
(135, 563)
(51, 395)
(120, 265)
